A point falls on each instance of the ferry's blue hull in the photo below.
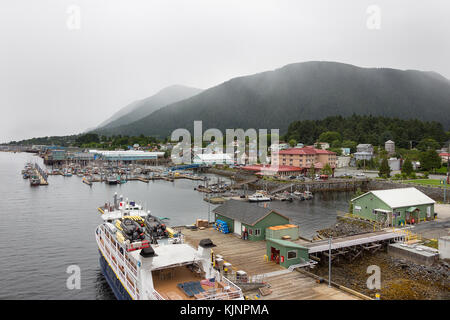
(113, 281)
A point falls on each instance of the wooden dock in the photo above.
(239, 185)
(351, 247)
(249, 256)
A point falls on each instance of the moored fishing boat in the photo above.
(259, 197)
(34, 180)
(111, 179)
(308, 195)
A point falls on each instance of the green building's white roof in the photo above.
(401, 197)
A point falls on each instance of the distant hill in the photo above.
(301, 91)
(141, 108)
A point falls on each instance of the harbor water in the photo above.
(46, 229)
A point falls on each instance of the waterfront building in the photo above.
(211, 159)
(394, 207)
(343, 162)
(286, 253)
(271, 170)
(306, 157)
(128, 155)
(249, 220)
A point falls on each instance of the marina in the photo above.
(69, 206)
(255, 269)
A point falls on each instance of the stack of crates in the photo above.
(222, 226)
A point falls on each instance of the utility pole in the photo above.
(448, 162)
(329, 262)
(209, 208)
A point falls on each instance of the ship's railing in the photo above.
(154, 295)
(254, 279)
(231, 293)
(231, 284)
(118, 261)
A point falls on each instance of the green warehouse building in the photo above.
(394, 207)
(249, 220)
(286, 253)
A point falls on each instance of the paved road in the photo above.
(374, 174)
(436, 228)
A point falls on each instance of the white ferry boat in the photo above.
(143, 259)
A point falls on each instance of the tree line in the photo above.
(349, 131)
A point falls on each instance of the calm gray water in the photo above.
(45, 229)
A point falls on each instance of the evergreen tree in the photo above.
(430, 160)
(385, 170)
(312, 171)
(407, 167)
(327, 170)
(292, 142)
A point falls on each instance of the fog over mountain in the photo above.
(309, 90)
(141, 108)
(59, 77)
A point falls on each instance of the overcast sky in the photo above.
(58, 76)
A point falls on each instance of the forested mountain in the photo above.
(141, 108)
(367, 129)
(304, 91)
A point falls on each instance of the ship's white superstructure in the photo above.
(155, 266)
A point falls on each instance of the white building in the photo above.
(363, 155)
(343, 162)
(394, 164)
(277, 147)
(213, 158)
(324, 145)
(364, 151)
